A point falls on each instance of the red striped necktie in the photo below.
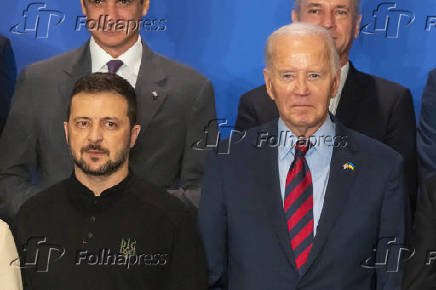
(298, 205)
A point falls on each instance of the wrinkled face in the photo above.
(98, 132)
(334, 15)
(114, 24)
(300, 81)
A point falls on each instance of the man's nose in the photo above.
(95, 134)
(301, 87)
(328, 20)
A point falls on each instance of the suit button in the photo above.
(90, 235)
(92, 219)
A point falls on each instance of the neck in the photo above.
(98, 184)
(115, 52)
(305, 132)
(343, 59)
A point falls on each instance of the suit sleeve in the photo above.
(426, 132)
(188, 269)
(18, 146)
(401, 137)
(418, 275)
(200, 120)
(394, 219)
(247, 117)
(7, 80)
(212, 219)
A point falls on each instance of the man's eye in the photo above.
(314, 76)
(110, 125)
(97, 1)
(82, 124)
(124, 2)
(341, 12)
(313, 11)
(287, 76)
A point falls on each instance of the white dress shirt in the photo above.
(318, 158)
(335, 101)
(10, 275)
(131, 60)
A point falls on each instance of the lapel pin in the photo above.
(349, 165)
(155, 95)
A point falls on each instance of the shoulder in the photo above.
(3, 42)
(44, 201)
(182, 73)
(159, 202)
(382, 88)
(53, 65)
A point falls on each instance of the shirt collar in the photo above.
(344, 74)
(99, 57)
(288, 139)
(84, 198)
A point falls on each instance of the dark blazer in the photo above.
(8, 75)
(425, 133)
(34, 138)
(419, 275)
(370, 105)
(244, 230)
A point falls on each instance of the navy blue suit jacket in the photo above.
(426, 131)
(244, 231)
(7, 78)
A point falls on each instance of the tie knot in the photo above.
(302, 146)
(114, 65)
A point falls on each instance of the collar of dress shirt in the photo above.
(322, 139)
(99, 57)
(335, 101)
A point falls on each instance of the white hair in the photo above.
(301, 29)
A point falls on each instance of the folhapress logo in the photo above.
(38, 20)
(388, 19)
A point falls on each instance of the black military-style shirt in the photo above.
(132, 236)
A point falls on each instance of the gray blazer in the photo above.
(34, 153)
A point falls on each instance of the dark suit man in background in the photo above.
(7, 78)
(175, 104)
(272, 217)
(370, 105)
(420, 273)
(426, 131)
(143, 237)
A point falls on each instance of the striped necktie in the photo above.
(298, 205)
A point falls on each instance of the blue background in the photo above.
(225, 39)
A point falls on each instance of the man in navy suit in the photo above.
(368, 104)
(302, 201)
(7, 78)
(425, 134)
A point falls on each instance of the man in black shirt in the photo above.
(104, 228)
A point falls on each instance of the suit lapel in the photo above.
(79, 66)
(351, 96)
(338, 190)
(271, 194)
(150, 87)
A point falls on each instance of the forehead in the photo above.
(329, 3)
(299, 51)
(104, 104)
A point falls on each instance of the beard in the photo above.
(107, 168)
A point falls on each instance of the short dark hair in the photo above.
(107, 82)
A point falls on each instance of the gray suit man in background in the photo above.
(175, 107)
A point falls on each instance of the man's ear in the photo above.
(357, 27)
(66, 132)
(145, 7)
(82, 2)
(268, 82)
(134, 133)
(294, 16)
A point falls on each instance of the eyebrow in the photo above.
(311, 5)
(104, 118)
